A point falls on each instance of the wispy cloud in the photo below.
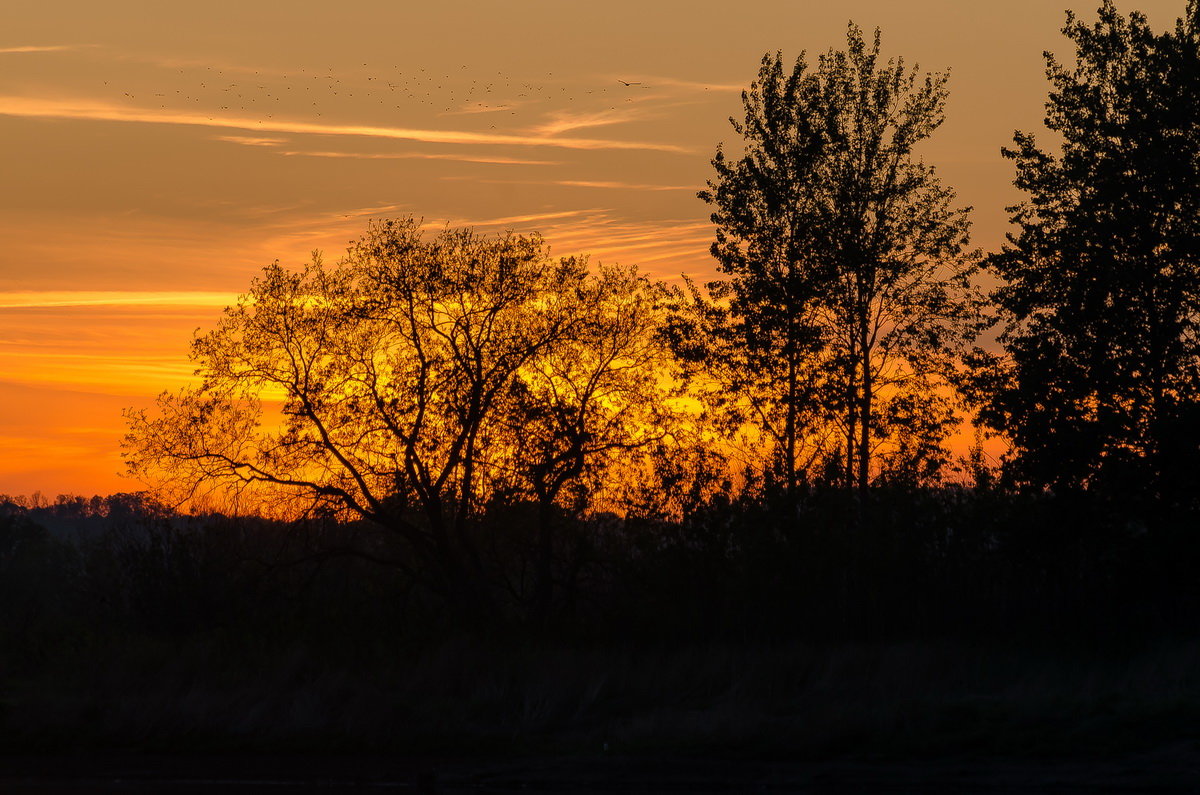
(362, 212)
(324, 230)
(248, 140)
(582, 183)
(175, 62)
(96, 111)
(653, 81)
(565, 121)
(126, 374)
(328, 230)
(572, 183)
(517, 219)
(45, 299)
(663, 248)
(479, 107)
(44, 48)
(425, 156)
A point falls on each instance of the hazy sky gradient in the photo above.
(157, 155)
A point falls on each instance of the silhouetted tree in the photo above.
(754, 368)
(1099, 381)
(848, 292)
(583, 411)
(418, 381)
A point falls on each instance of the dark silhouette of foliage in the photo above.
(847, 297)
(423, 382)
(583, 414)
(1098, 384)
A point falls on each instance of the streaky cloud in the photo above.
(572, 183)
(44, 48)
(175, 62)
(655, 81)
(478, 107)
(565, 121)
(516, 219)
(47, 299)
(583, 183)
(361, 212)
(424, 156)
(95, 111)
(249, 140)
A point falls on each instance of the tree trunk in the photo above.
(864, 444)
(790, 429)
(852, 407)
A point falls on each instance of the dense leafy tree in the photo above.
(847, 291)
(1099, 380)
(419, 381)
(586, 408)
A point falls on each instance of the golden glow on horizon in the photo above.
(43, 299)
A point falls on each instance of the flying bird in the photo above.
(627, 83)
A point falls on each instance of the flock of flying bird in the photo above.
(318, 92)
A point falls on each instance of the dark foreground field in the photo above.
(464, 717)
(1172, 768)
(966, 643)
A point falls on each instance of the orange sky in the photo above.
(157, 155)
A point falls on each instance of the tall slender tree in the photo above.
(845, 257)
(1099, 379)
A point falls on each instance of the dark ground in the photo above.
(157, 659)
(831, 718)
(1174, 768)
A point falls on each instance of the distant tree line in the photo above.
(529, 434)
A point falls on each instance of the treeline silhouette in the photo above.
(934, 563)
(456, 435)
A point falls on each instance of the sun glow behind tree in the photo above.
(423, 381)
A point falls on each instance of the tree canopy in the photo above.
(847, 292)
(1099, 377)
(419, 381)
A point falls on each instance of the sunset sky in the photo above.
(157, 155)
